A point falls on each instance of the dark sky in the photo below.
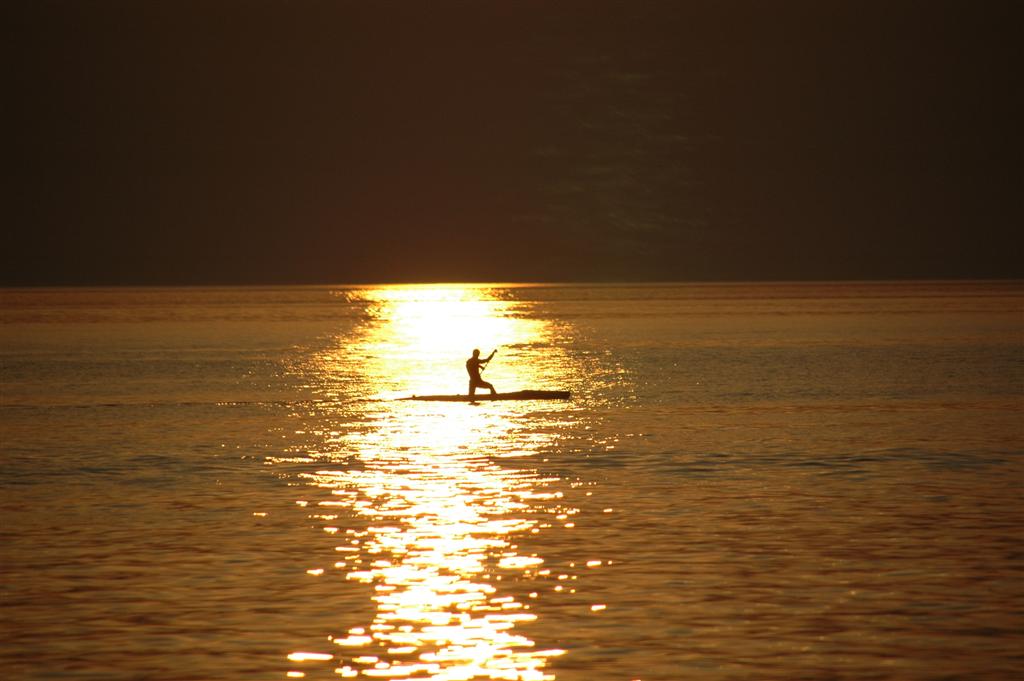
(208, 142)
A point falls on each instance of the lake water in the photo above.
(799, 481)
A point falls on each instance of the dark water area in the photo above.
(752, 481)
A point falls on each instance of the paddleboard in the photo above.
(487, 397)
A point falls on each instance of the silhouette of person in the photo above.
(473, 365)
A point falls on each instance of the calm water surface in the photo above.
(813, 481)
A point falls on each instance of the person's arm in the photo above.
(492, 354)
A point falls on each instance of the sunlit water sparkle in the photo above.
(438, 514)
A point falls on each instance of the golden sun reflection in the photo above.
(436, 509)
(424, 334)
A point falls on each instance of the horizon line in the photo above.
(505, 283)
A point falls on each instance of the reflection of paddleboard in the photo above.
(483, 397)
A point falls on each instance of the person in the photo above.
(473, 365)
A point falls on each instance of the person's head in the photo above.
(476, 353)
